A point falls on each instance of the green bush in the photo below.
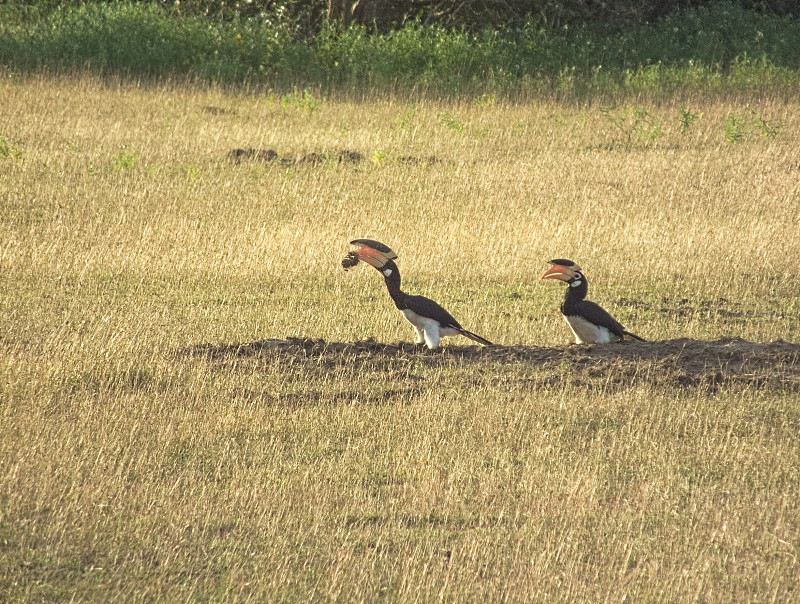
(721, 46)
(140, 39)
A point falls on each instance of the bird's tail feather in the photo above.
(634, 336)
(476, 337)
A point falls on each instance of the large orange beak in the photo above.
(564, 273)
(371, 256)
(372, 252)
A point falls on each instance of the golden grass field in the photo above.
(199, 404)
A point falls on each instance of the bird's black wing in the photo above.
(596, 314)
(425, 307)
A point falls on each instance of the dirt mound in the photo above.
(238, 156)
(683, 362)
(340, 156)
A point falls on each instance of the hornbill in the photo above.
(590, 323)
(430, 320)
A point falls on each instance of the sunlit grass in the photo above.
(128, 465)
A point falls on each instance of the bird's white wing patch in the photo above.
(587, 332)
(432, 331)
(430, 328)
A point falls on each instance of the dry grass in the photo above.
(133, 467)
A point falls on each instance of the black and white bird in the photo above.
(431, 322)
(590, 323)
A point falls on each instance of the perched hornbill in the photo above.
(430, 320)
(590, 323)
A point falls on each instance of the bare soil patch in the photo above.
(238, 156)
(676, 363)
(340, 156)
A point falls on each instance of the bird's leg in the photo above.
(420, 335)
(432, 338)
